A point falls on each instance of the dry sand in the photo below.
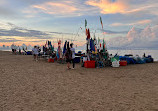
(26, 85)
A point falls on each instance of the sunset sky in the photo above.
(34, 21)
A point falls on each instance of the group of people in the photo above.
(69, 55)
(15, 49)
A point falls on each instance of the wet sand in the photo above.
(26, 85)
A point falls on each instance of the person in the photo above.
(73, 55)
(68, 55)
(12, 47)
(144, 55)
(39, 51)
(35, 53)
(19, 50)
(15, 49)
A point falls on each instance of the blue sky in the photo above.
(67, 16)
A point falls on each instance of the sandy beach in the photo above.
(26, 85)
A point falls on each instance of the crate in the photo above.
(123, 63)
(89, 64)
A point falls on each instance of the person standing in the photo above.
(73, 55)
(68, 55)
(35, 53)
(12, 47)
(19, 50)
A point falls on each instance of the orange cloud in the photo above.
(144, 22)
(56, 8)
(108, 7)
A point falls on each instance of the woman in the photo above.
(68, 56)
(73, 55)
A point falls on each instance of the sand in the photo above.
(26, 85)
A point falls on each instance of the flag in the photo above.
(98, 40)
(85, 23)
(88, 36)
(103, 45)
(64, 49)
(86, 32)
(101, 22)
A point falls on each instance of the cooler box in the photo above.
(89, 64)
(123, 63)
(51, 60)
(29, 53)
(115, 64)
(77, 59)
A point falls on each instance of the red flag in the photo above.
(86, 32)
(88, 36)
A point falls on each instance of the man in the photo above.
(35, 53)
(73, 55)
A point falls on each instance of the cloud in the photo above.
(108, 6)
(22, 33)
(53, 8)
(63, 8)
(6, 12)
(141, 22)
(9, 29)
(9, 40)
(124, 6)
(11, 33)
(74, 8)
(113, 32)
(136, 38)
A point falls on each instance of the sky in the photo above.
(35, 21)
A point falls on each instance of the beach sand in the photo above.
(26, 85)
